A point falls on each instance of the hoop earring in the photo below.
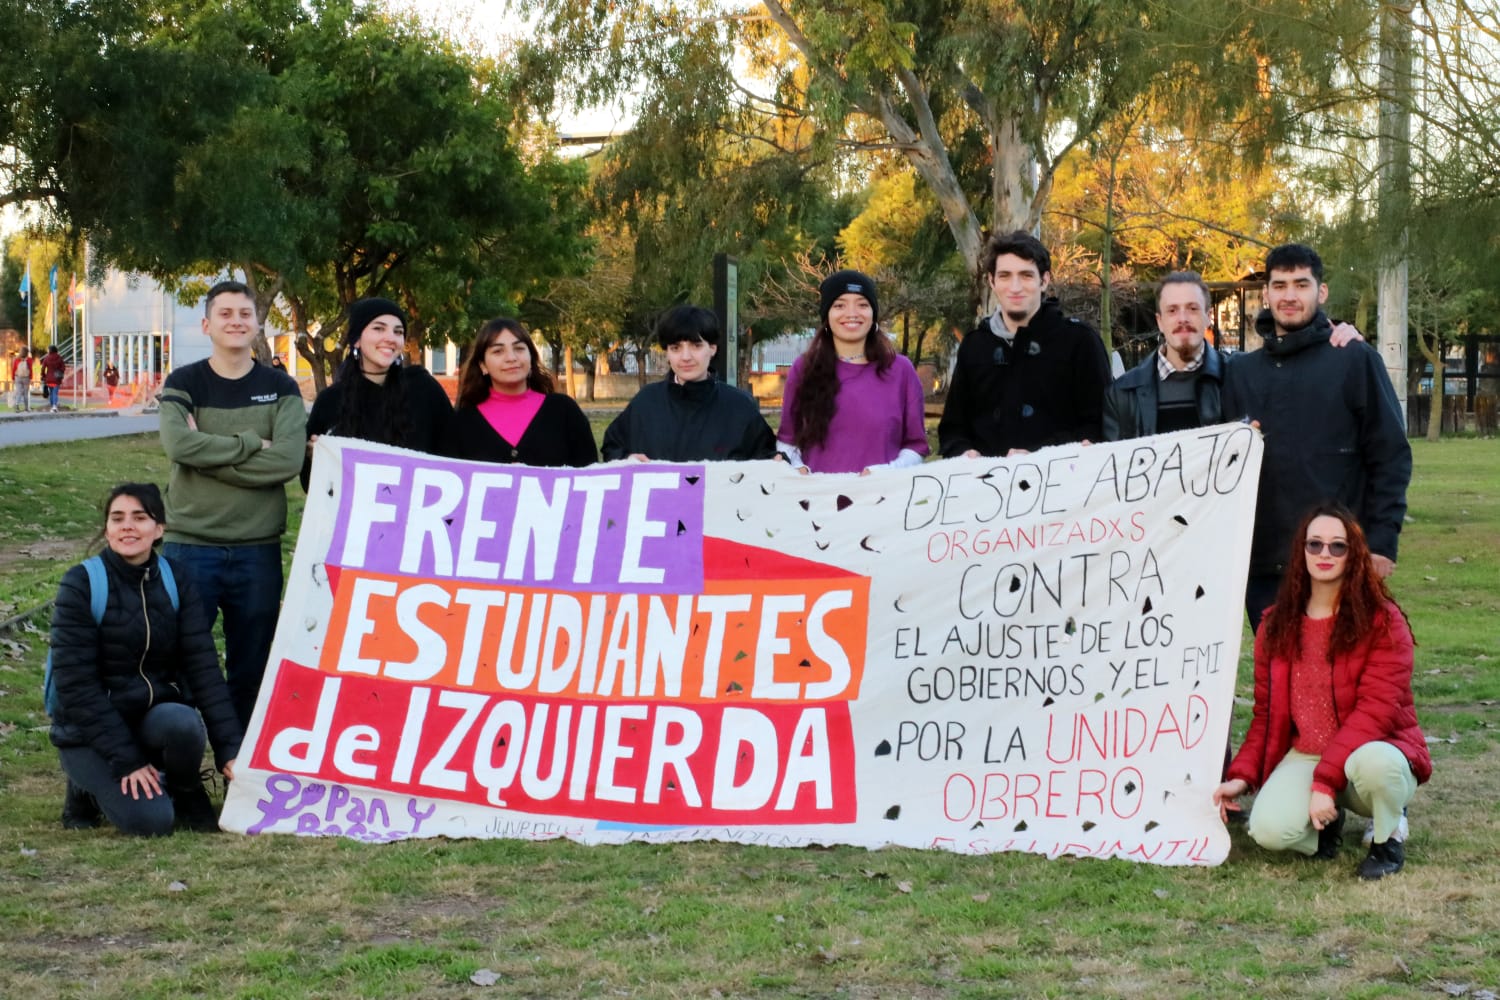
(355, 353)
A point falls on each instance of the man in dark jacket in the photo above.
(1177, 386)
(1333, 429)
(1027, 376)
(690, 416)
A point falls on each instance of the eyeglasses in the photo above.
(1338, 550)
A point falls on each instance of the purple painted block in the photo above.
(636, 529)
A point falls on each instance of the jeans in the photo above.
(52, 391)
(244, 583)
(172, 736)
(23, 394)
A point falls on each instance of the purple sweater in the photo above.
(875, 416)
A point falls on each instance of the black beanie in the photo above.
(366, 311)
(842, 283)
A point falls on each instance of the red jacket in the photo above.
(1372, 701)
(53, 367)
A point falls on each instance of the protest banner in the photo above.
(1033, 654)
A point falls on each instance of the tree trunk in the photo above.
(1395, 195)
(1432, 350)
(568, 377)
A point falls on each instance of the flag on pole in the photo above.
(26, 283)
(75, 295)
(52, 280)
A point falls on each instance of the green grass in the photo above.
(92, 914)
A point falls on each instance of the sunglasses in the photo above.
(1336, 549)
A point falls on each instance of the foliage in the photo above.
(325, 150)
(984, 100)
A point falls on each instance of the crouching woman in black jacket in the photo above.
(128, 688)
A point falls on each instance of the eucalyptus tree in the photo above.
(984, 99)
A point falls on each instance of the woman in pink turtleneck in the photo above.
(507, 411)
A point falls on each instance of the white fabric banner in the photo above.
(1030, 654)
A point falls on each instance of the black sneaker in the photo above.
(1331, 837)
(80, 811)
(194, 809)
(1384, 859)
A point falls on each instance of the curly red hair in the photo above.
(1362, 593)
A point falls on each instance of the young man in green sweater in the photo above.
(235, 431)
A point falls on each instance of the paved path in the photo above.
(44, 428)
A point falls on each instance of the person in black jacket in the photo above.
(1179, 385)
(129, 688)
(689, 416)
(1333, 429)
(507, 411)
(1026, 376)
(374, 396)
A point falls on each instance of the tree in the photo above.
(973, 89)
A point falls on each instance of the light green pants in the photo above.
(1380, 784)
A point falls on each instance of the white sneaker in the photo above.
(1400, 835)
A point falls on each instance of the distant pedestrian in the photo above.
(53, 368)
(20, 374)
(276, 363)
(111, 380)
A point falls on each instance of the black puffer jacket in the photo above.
(704, 421)
(142, 653)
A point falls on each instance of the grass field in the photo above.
(95, 915)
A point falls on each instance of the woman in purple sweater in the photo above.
(851, 403)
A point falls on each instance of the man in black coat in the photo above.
(1027, 376)
(1177, 386)
(1333, 429)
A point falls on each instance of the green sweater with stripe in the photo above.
(226, 488)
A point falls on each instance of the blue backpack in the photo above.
(98, 598)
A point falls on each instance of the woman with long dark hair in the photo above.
(851, 403)
(132, 667)
(507, 411)
(374, 396)
(1334, 724)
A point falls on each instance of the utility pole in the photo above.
(1394, 185)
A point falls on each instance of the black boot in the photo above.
(80, 811)
(194, 811)
(1331, 837)
(1384, 859)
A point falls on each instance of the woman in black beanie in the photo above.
(851, 403)
(374, 396)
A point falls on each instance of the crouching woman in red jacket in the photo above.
(1334, 725)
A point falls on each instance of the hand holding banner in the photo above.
(978, 655)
